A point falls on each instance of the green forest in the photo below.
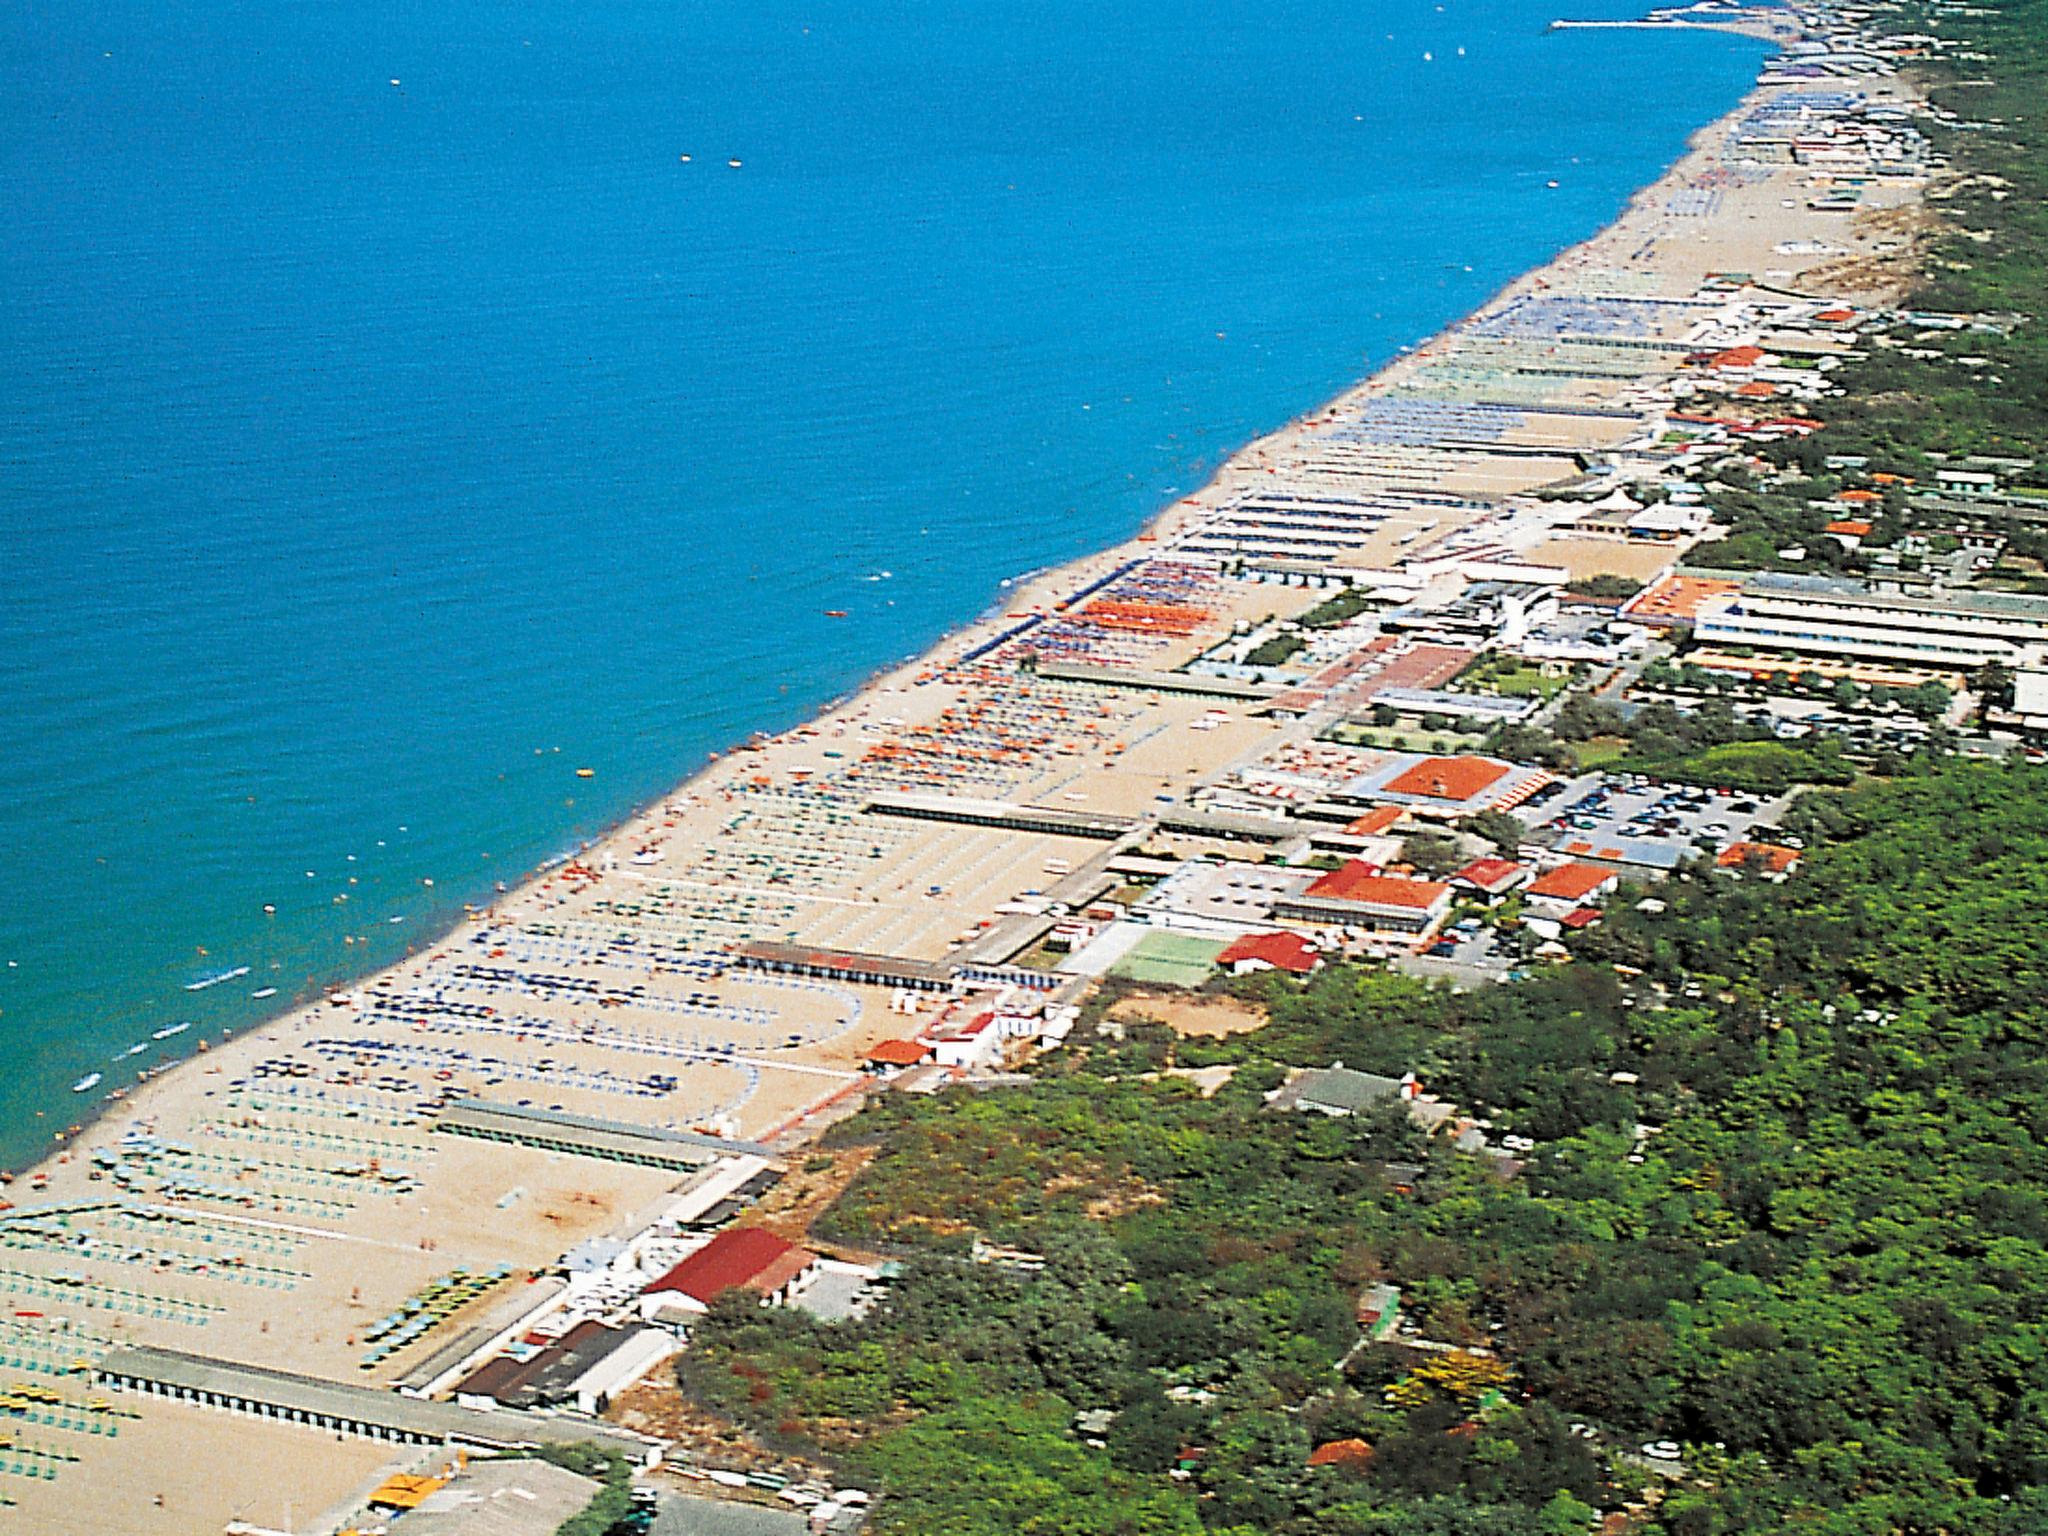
(1788, 1209)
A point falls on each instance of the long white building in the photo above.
(1822, 616)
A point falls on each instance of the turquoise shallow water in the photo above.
(362, 444)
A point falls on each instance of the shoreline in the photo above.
(1042, 587)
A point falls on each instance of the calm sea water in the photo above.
(392, 421)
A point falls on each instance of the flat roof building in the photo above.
(342, 1408)
(583, 1136)
(846, 965)
(1824, 616)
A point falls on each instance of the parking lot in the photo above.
(1632, 820)
(1467, 954)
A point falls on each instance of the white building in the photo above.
(1822, 616)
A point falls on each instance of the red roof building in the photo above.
(1288, 952)
(1376, 820)
(1491, 877)
(1573, 883)
(898, 1053)
(1581, 917)
(737, 1259)
(1358, 895)
(1449, 778)
(1357, 881)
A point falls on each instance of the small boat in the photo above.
(213, 981)
(134, 1050)
(87, 1083)
(586, 773)
(171, 1029)
(264, 992)
(835, 613)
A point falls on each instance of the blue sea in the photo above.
(405, 405)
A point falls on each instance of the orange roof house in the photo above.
(1449, 778)
(1757, 389)
(897, 1053)
(1737, 357)
(1852, 527)
(1859, 495)
(1767, 856)
(1572, 882)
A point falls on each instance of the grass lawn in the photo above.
(1509, 677)
(1600, 750)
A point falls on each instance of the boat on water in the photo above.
(835, 613)
(134, 1050)
(171, 1029)
(87, 1083)
(213, 981)
(264, 992)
